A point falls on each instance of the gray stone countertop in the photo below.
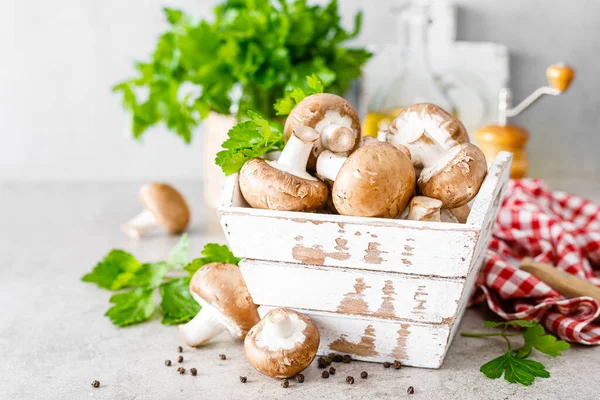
(54, 340)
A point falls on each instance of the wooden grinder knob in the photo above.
(560, 76)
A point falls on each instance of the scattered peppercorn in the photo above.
(180, 359)
(193, 371)
(181, 370)
(397, 364)
(331, 371)
(386, 364)
(168, 363)
(325, 374)
(285, 383)
(337, 358)
(222, 356)
(300, 378)
(179, 349)
(350, 380)
(364, 375)
(96, 384)
(410, 390)
(243, 379)
(321, 362)
(328, 361)
(346, 359)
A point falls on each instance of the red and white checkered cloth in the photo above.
(551, 227)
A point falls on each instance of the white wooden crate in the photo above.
(378, 289)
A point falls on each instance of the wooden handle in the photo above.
(560, 76)
(567, 284)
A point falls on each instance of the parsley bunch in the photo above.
(243, 59)
(120, 270)
(513, 364)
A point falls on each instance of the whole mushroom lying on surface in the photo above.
(164, 207)
(452, 168)
(284, 184)
(226, 305)
(377, 180)
(332, 117)
(282, 344)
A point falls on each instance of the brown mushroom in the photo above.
(226, 305)
(163, 206)
(284, 184)
(377, 180)
(423, 208)
(333, 117)
(282, 344)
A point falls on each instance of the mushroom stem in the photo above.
(202, 328)
(295, 154)
(139, 224)
(423, 208)
(281, 324)
(426, 150)
(329, 164)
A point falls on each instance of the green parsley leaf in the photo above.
(149, 275)
(131, 307)
(177, 304)
(516, 370)
(535, 336)
(505, 324)
(248, 140)
(180, 254)
(212, 253)
(294, 96)
(115, 271)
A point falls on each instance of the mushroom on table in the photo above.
(164, 207)
(226, 305)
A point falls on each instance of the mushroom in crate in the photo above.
(226, 305)
(377, 180)
(164, 207)
(282, 344)
(284, 184)
(452, 168)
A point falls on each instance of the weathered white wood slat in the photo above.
(376, 340)
(357, 292)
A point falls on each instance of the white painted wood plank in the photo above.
(381, 295)
(368, 339)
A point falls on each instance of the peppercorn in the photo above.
(180, 359)
(397, 364)
(321, 362)
(346, 359)
(337, 358)
(285, 383)
(386, 364)
(350, 380)
(410, 390)
(328, 361)
(179, 349)
(168, 363)
(181, 370)
(331, 371)
(243, 379)
(222, 356)
(193, 371)
(364, 375)
(300, 378)
(96, 384)
(325, 374)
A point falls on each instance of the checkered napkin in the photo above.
(551, 227)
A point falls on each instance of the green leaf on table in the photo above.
(131, 307)
(518, 322)
(115, 271)
(177, 303)
(150, 275)
(536, 337)
(515, 370)
(212, 252)
(295, 95)
(180, 254)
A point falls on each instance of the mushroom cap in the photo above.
(447, 130)
(270, 188)
(287, 357)
(311, 110)
(456, 178)
(222, 286)
(167, 205)
(377, 180)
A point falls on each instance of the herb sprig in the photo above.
(119, 270)
(513, 364)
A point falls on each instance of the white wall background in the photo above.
(59, 59)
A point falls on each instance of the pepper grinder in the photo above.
(506, 137)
